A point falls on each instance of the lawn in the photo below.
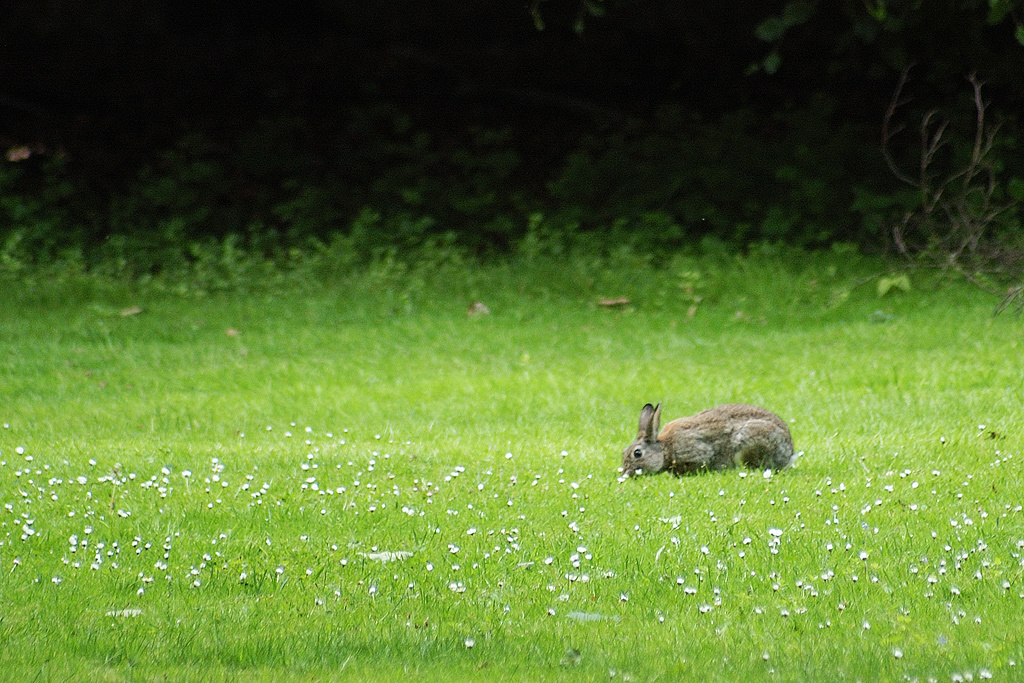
(357, 480)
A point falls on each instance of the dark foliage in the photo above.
(137, 132)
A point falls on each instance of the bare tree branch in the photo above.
(952, 226)
(888, 133)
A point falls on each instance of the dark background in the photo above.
(134, 129)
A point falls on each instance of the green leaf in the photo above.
(896, 282)
(878, 11)
(797, 12)
(538, 18)
(794, 13)
(771, 29)
(1020, 34)
(1016, 188)
(998, 9)
(771, 63)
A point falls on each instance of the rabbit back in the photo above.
(730, 435)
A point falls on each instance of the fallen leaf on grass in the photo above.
(478, 308)
(881, 317)
(896, 283)
(614, 303)
(134, 310)
(587, 616)
(232, 332)
(388, 556)
(572, 657)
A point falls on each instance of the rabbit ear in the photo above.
(649, 418)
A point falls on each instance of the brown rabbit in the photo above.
(715, 439)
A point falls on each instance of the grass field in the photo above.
(357, 480)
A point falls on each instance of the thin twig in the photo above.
(888, 133)
(1014, 295)
(950, 228)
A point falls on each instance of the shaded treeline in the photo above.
(136, 129)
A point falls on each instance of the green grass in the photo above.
(370, 414)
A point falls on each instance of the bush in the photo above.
(380, 184)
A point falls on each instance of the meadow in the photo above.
(354, 479)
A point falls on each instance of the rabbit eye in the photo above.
(637, 453)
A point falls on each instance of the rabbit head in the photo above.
(646, 455)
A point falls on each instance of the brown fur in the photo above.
(715, 439)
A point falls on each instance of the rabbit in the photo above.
(725, 436)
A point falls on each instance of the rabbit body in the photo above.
(730, 435)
